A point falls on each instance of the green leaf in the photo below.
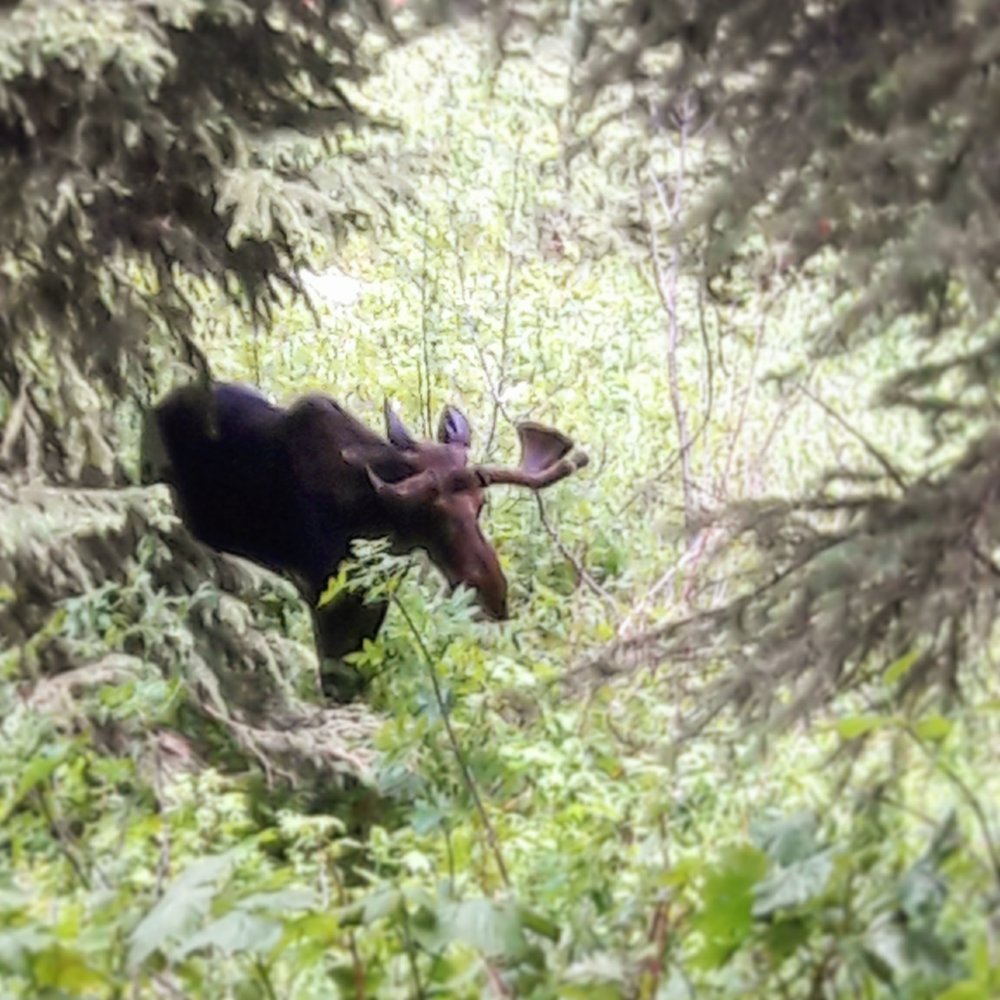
(37, 771)
(785, 937)
(792, 886)
(967, 989)
(235, 932)
(284, 900)
(922, 892)
(946, 841)
(854, 726)
(538, 923)
(895, 950)
(185, 902)
(18, 946)
(492, 928)
(786, 839)
(933, 727)
(725, 918)
(65, 969)
(885, 951)
(426, 817)
(898, 669)
(381, 904)
(335, 586)
(314, 932)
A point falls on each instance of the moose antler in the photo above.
(547, 456)
(415, 489)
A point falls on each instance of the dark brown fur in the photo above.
(291, 488)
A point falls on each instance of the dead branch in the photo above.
(54, 695)
(497, 391)
(666, 282)
(890, 470)
(15, 423)
(321, 744)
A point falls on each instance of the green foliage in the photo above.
(506, 835)
(153, 149)
(846, 147)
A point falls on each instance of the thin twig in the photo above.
(352, 940)
(65, 840)
(500, 988)
(772, 432)
(490, 384)
(709, 368)
(508, 295)
(245, 736)
(653, 971)
(666, 289)
(891, 471)
(582, 573)
(495, 385)
(470, 782)
(265, 978)
(411, 955)
(163, 864)
(745, 401)
(967, 793)
(166, 985)
(424, 379)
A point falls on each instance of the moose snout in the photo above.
(490, 586)
(490, 589)
(471, 561)
(495, 610)
(491, 595)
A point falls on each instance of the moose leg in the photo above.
(341, 627)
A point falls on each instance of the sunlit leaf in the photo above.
(65, 969)
(793, 885)
(786, 839)
(602, 975)
(381, 904)
(184, 903)
(933, 727)
(490, 927)
(725, 917)
(235, 932)
(19, 945)
(281, 900)
(898, 669)
(967, 990)
(853, 727)
(35, 772)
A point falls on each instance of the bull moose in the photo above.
(291, 488)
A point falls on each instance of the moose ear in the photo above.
(454, 428)
(541, 446)
(396, 431)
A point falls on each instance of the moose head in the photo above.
(436, 504)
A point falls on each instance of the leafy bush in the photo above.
(513, 828)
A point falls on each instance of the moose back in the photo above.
(291, 488)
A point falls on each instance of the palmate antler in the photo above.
(547, 456)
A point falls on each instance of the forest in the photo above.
(642, 643)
